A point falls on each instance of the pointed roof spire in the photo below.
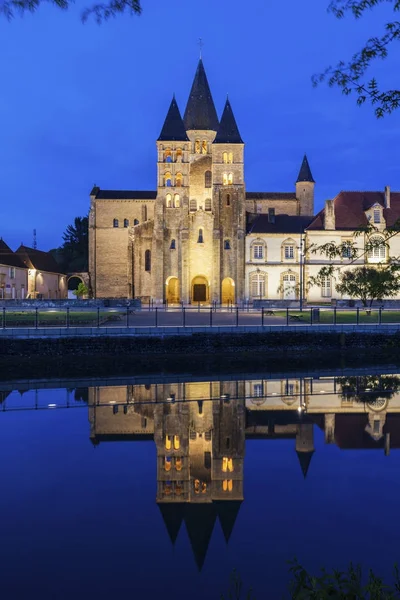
(200, 111)
(172, 515)
(305, 172)
(304, 460)
(199, 520)
(227, 513)
(173, 129)
(228, 132)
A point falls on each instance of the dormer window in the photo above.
(377, 215)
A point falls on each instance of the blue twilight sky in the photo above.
(84, 104)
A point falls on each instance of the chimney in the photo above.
(387, 196)
(329, 217)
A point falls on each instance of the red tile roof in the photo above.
(350, 210)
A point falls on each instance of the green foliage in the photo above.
(72, 256)
(370, 389)
(369, 284)
(81, 290)
(236, 591)
(350, 76)
(100, 12)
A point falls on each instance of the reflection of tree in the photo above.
(374, 390)
(81, 394)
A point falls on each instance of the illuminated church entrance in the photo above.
(228, 291)
(200, 289)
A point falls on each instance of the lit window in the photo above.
(197, 146)
(172, 246)
(178, 464)
(193, 205)
(377, 215)
(177, 442)
(227, 465)
(257, 285)
(230, 178)
(230, 158)
(208, 204)
(204, 147)
(227, 245)
(168, 442)
(147, 260)
(168, 155)
(326, 287)
(289, 252)
(225, 179)
(258, 251)
(167, 179)
(168, 201)
(126, 222)
(167, 463)
(200, 238)
(178, 180)
(177, 201)
(207, 179)
(179, 155)
(227, 485)
(115, 223)
(168, 488)
(225, 157)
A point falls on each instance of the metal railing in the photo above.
(191, 316)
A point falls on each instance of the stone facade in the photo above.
(186, 241)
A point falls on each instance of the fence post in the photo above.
(67, 317)
(237, 316)
(380, 315)
(334, 316)
(198, 308)
(36, 318)
(156, 316)
(210, 317)
(127, 316)
(287, 316)
(262, 317)
(184, 315)
(4, 317)
(358, 315)
(311, 316)
(98, 316)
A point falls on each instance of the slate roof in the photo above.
(350, 210)
(270, 195)
(200, 111)
(173, 128)
(228, 132)
(36, 259)
(305, 172)
(124, 194)
(350, 432)
(281, 224)
(8, 257)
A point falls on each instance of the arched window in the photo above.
(193, 205)
(377, 249)
(227, 245)
(225, 157)
(208, 204)
(288, 249)
(178, 180)
(115, 223)
(167, 463)
(230, 178)
(227, 485)
(177, 201)
(227, 464)
(207, 179)
(178, 463)
(257, 285)
(257, 250)
(126, 222)
(179, 155)
(136, 221)
(177, 442)
(225, 179)
(167, 179)
(204, 147)
(289, 285)
(168, 442)
(172, 246)
(168, 155)
(197, 146)
(147, 260)
(200, 238)
(168, 201)
(230, 158)
(228, 199)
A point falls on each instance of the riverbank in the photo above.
(197, 353)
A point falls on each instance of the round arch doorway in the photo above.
(228, 291)
(72, 285)
(200, 289)
(172, 290)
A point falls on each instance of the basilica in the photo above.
(200, 236)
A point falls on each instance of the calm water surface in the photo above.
(140, 490)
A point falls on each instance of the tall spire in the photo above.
(173, 517)
(304, 460)
(305, 172)
(173, 128)
(228, 132)
(200, 111)
(227, 512)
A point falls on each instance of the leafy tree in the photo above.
(81, 290)
(99, 11)
(351, 75)
(72, 256)
(370, 283)
(369, 389)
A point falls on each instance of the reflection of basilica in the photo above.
(200, 428)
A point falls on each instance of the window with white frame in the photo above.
(377, 251)
(326, 287)
(258, 390)
(346, 250)
(258, 251)
(377, 215)
(257, 285)
(289, 389)
(289, 251)
(12, 272)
